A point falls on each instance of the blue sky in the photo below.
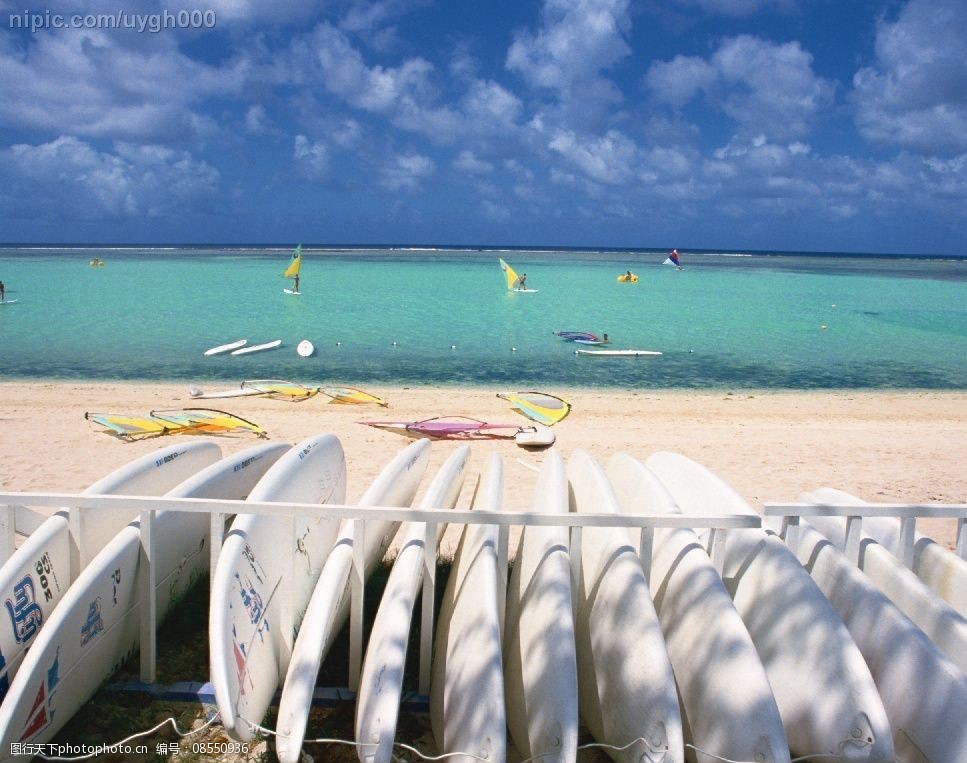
(760, 124)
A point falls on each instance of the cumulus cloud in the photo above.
(88, 83)
(311, 159)
(467, 162)
(608, 159)
(915, 94)
(576, 42)
(406, 172)
(737, 8)
(68, 178)
(764, 86)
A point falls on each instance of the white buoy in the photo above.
(394, 344)
(513, 349)
(453, 347)
(338, 344)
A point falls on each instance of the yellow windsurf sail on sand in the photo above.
(352, 395)
(539, 406)
(513, 280)
(132, 428)
(293, 270)
(210, 421)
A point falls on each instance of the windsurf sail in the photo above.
(673, 259)
(513, 280)
(539, 406)
(452, 428)
(572, 336)
(352, 396)
(209, 421)
(293, 270)
(280, 389)
(131, 428)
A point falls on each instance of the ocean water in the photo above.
(445, 317)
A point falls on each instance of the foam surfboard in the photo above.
(467, 710)
(38, 574)
(97, 625)
(625, 679)
(824, 690)
(265, 574)
(540, 662)
(328, 608)
(381, 682)
(725, 694)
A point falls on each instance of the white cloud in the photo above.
(577, 40)
(739, 7)
(467, 162)
(311, 159)
(68, 178)
(257, 121)
(915, 94)
(406, 172)
(763, 86)
(87, 83)
(608, 159)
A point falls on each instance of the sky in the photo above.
(806, 125)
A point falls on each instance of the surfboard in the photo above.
(328, 608)
(97, 625)
(540, 662)
(226, 347)
(305, 348)
(467, 710)
(824, 690)
(525, 291)
(258, 347)
(38, 574)
(617, 353)
(293, 292)
(728, 705)
(941, 622)
(939, 568)
(265, 574)
(625, 679)
(381, 682)
(923, 692)
(9, 302)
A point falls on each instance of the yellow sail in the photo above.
(293, 270)
(509, 274)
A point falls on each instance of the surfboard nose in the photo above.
(864, 743)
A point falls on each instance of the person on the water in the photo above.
(521, 281)
(605, 340)
(628, 275)
(296, 288)
(3, 292)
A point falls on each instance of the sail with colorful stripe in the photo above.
(539, 406)
(673, 259)
(352, 396)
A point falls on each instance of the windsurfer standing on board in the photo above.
(3, 292)
(296, 286)
(521, 281)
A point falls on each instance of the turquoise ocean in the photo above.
(417, 316)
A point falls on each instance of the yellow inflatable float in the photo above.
(628, 278)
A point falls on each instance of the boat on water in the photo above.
(515, 282)
(673, 259)
(628, 277)
(292, 271)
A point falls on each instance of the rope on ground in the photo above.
(152, 730)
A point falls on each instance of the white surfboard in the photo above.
(97, 625)
(925, 695)
(264, 577)
(617, 353)
(226, 347)
(467, 711)
(825, 692)
(525, 291)
(942, 624)
(540, 663)
(328, 608)
(729, 707)
(381, 681)
(305, 348)
(258, 347)
(938, 567)
(9, 302)
(35, 578)
(293, 292)
(625, 678)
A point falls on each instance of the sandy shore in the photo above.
(882, 446)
